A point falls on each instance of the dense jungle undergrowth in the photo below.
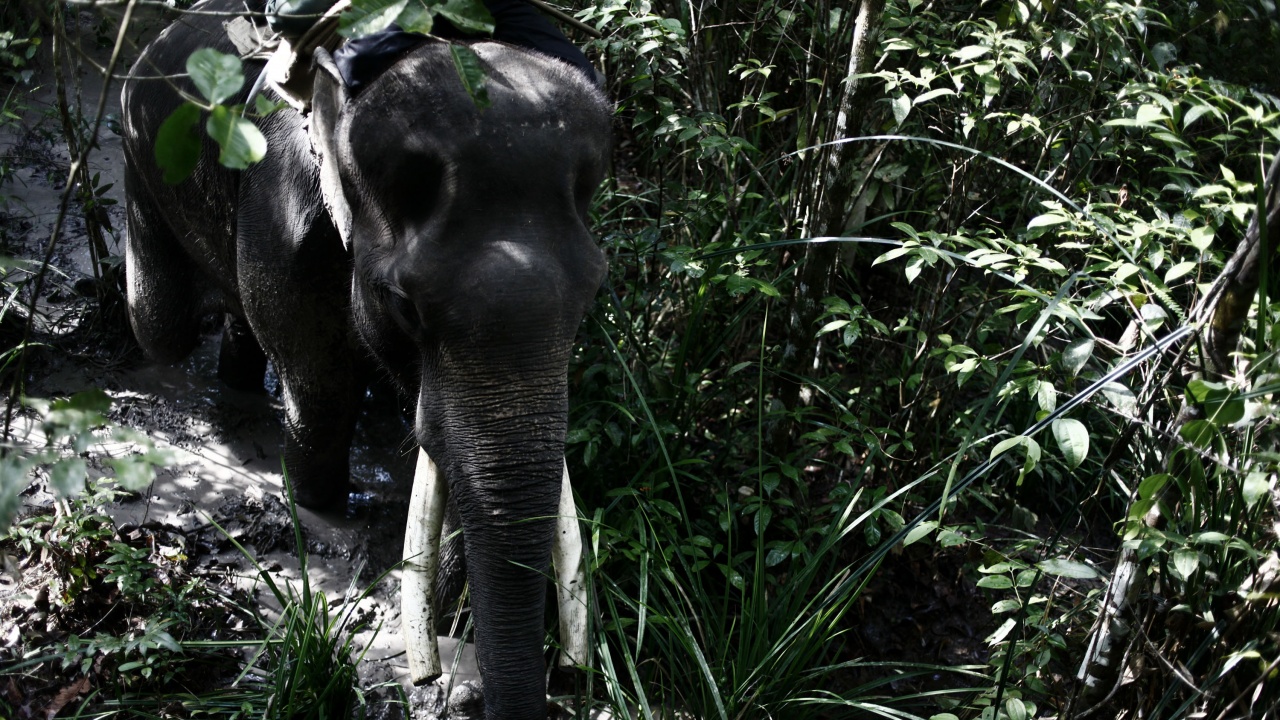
(934, 372)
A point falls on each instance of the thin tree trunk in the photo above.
(1227, 302)
(1234, 290)
(826, 216)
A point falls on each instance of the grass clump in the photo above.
(115, 622)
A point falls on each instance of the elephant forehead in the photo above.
(422, 101)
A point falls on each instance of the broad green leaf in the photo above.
(1152, 485)
(1061, 567)
(217, 76)
(1195, 113)
(935, 93)
(67, 476)
(13, 480)
(1046, 396)
(1001, 632)
(95, 402)
(132, 473)
(901, 105)
(762, 518)
(417, 16)
(950, 538)
(1150, 114)
(1185, 562)
(1073, 440)
(1256, 486)
(1048, 219)
(1211, 189)
(919, 532)
(1033, 453)
(468, 15)
(365, 17)
(1004, 606)
(1075, 355)
(971, 52)
(914, 266)
(471, 73)
(1002, 446)
(996, 582)
(178, 144)
(1015, 709)
(1222, 407)
(871, 534)
(891, 255)
(1201, 237)
(1200, 389)
(75, 417)
(1228, 412)
(1121, 397)
(833, 325)
(1209, 538)
(765, 288)
(776, 555)
(1179, 270)
(1198, 433)
(241, 142)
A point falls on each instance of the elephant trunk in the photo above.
(499, 438)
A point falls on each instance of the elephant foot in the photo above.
(330, 499)
(241, 363)
(466, 702)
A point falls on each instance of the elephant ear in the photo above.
(327, 107)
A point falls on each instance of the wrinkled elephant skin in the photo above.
(404, 224)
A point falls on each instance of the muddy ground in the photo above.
(227, 443)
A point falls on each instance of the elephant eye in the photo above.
(402, 309)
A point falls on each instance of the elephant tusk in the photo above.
(421, 561)
(566, 554)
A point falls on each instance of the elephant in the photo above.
(404, 230)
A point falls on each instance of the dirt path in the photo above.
(227, 443)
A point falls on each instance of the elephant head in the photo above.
(473, 268)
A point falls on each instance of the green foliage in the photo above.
(67, 428)
(17, 50)
(740, 627)
(308, 659)
(470, 72)
(178, 144)
(156, 658)
(1038, 194)
(94, 565)
(217, 77)
(365, 17)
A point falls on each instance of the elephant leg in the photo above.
(566, 557)
(298, 314)
(241, 361)
(320, 420)
(162, 282)
(421, 561)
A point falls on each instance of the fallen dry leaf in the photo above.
(66, 695)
